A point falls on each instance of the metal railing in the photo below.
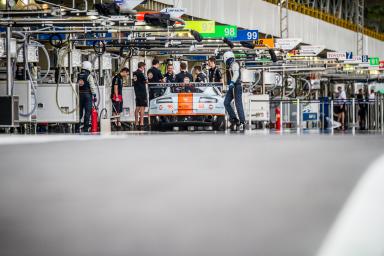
(324, 114)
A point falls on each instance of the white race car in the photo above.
(195, 104)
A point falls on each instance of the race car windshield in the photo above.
(186, 89)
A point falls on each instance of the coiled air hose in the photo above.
(28, 70)
(68, 112)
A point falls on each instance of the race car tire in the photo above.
(219, 124)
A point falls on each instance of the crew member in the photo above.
(139, 84)
(214, 74)
(170, 76)
(342, 107)
(200, 76)
(154, 78)
(183, 73)
(234, 92)
(87, 91)
(362, 109)
(117, 95)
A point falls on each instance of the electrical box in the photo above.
(260, 107)
(75, 55)
(272, 79)
(9, 115)
(103, 95)
(33, 54)
(47, 109)
(23, 90)
(128, 114)
(3, 48)
(247, 76)
(106, 61)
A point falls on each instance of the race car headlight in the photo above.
(207, 100)
(164, 100)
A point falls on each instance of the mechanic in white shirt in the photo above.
(341, 102)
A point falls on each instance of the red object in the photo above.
(278, 117)
(94, 120)
(118, 98)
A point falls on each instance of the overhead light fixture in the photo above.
(197, 36)
(273, 55)
(248, 45)
(229, 43)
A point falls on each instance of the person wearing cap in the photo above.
(87, 91)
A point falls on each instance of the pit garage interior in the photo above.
(191, 128)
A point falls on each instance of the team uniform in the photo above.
(180, 77)
(117, 101)
(139, 81)
(87, 88)
(170, 78)
(154, 76)
(214, 75)
(201, 78)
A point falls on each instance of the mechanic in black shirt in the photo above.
(139, 84)
(170, 76)
(183, 73)
(214, 75)
(117, 94)
(200, 76)
(154, 76)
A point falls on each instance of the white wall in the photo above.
(258, 14)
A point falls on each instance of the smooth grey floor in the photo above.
(176, 195)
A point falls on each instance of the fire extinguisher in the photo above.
(94, 119)
(278, 117)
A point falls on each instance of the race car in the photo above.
(188, 105)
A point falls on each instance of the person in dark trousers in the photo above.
(214, 73)
(117, 95)
(200, 76)
(170, 76)
(154, 77)
(139, 84)
(234, 92)
(362, 109)
(87, 90)
(183, 73)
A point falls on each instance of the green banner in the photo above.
(222, 31)
(374, 61)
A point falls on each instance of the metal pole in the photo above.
(353, 115)
(249, 115)
(9, 62)
(298, 116)
(263, 83)
(368, 114)
(376, 112)
(281, 115)
(382, 112)
(331, 116)
(323, 116)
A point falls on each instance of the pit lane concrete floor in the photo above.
(197, 194)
